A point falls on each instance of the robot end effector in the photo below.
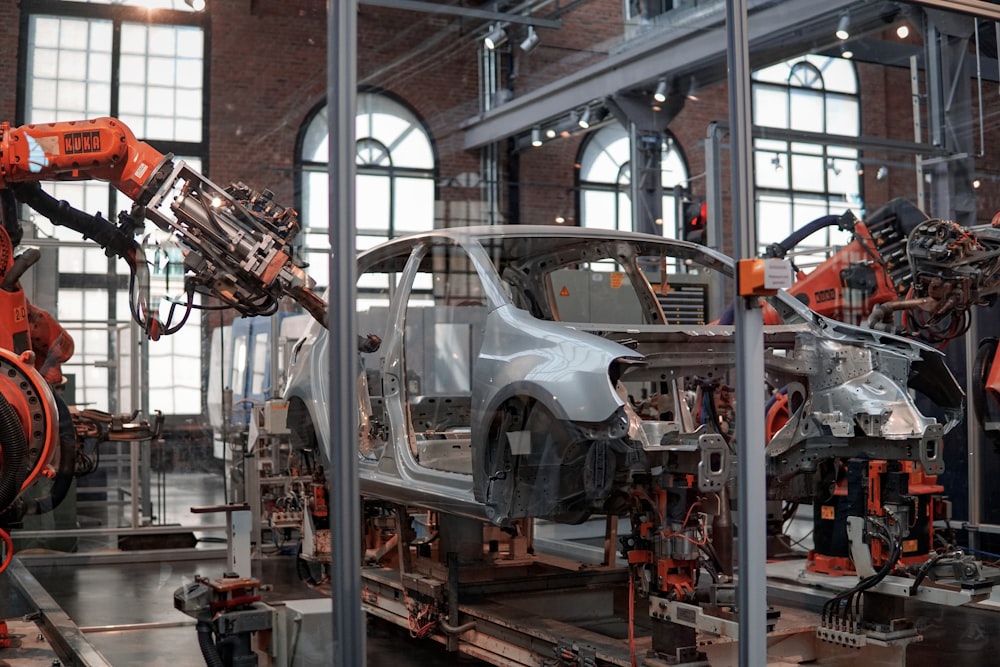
(237, 241)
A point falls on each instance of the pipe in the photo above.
(455, 630)
(722, 532)
(881, 312)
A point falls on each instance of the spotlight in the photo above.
(903, 31)
(584, 121)
(531, 41)
(495, 38)
(843, 27)
(693, 90)
(660, 94)
(536, 136)
(197, 5)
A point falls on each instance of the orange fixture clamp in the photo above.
(762, 277)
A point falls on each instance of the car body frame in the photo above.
(549, 372)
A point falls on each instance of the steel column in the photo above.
(751, 481)
(345, 505)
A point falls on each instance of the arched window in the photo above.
(797, 181)
(150, 74)
(605, 176)
(395, 177)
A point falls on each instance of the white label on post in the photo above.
(777, 274)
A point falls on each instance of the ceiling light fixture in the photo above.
(843, 27)
(495, 37)
(660, 94)
(536, 136)
(584, 121)
(693, 90)
(531, 41)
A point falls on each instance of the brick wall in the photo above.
(268, 70)
(9, 31)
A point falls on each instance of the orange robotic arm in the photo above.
(237, 244)
(237, 240)
(103, 149)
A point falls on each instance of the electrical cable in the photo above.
(854, 594)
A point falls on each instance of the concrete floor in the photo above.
(125, 609)
(126, 612)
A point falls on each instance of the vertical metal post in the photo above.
(974, 475)
(917, 131)
(239, 541)
(140, 486)
(345, 505)
(752, 584)
(713, 198)
(133, 487)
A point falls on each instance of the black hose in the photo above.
(105, 233)
(781, 248)
(206, 643)
(14, 443)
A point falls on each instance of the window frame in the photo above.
(621, 188)
(113, 281)
(787, 156)
(393, 172)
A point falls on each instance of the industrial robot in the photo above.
(237, 245)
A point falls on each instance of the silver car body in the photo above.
(545, 371)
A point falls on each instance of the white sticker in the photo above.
(777, 274)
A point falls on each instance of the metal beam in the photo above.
(862, 142)
(455, 10)
(683, 48)
(976, 7)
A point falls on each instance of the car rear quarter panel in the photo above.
(565, 369)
